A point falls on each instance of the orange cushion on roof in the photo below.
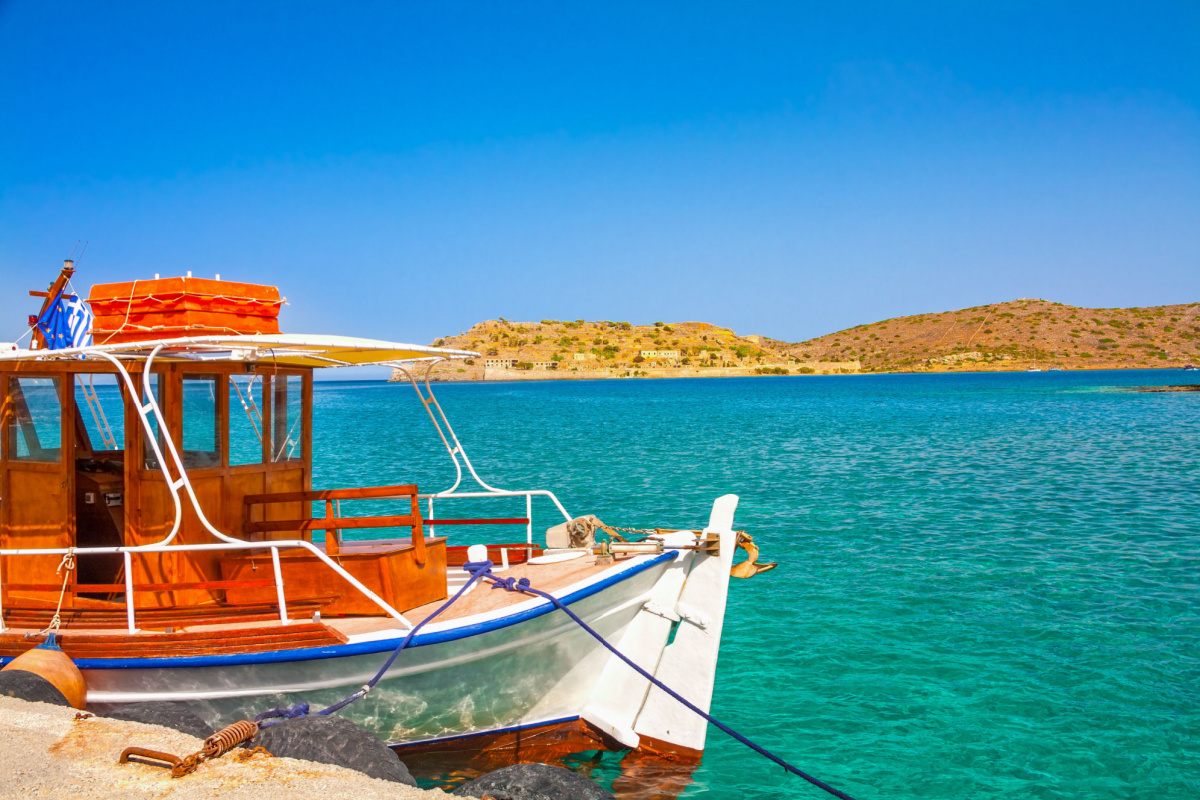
(169, 308)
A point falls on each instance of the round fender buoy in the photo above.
(49, 662)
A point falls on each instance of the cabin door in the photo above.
(35, 485)
(99, 497)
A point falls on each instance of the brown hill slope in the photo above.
(1019, 334)
(1004, 336)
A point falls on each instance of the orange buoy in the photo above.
(49, 662)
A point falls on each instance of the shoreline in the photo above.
(492, 375)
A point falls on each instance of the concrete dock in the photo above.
(47, 754)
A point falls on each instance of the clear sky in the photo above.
(405, 169)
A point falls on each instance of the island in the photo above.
(1024, 334)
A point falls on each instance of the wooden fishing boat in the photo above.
(157, 507)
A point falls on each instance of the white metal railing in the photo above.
(274, 547)
(460, 458)
(145, 410)
(149, 408)
(88, 390)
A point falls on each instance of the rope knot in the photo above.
(282, 713)
(510, 584)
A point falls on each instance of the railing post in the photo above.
(283, 617)
(529, 516)
(130, 619)
(332, 536)
(418, 531)
(431, 516)
(1, 595)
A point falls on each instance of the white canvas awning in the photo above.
(284, 349)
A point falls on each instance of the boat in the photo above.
(1034, 369)
(177, 545)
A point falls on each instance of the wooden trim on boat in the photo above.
(185, 643)
(491, 750)
(668, 752)
(110, 616)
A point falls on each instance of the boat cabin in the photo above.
(228, 421)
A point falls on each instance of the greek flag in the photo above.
(67, 322)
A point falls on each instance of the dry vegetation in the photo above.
(1018, 335)
(1005, 336)
(578, 345)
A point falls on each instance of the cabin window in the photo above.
(102, 409)
(149, 460)
(245, 419)
(201, 433)
(287, 417)
(34, 419)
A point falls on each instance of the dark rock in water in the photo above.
(334, 740)
(27, 686)
(1191, 387)
(178, 716)
(533, 782)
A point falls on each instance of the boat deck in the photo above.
(483, 598)
(207, 636)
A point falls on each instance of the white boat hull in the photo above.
(523, 666)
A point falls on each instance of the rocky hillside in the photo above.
(582, 346)
(1019, 335)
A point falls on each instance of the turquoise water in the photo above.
(988, 584)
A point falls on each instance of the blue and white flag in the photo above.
(67, 322)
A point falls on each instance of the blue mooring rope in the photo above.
(483, 570)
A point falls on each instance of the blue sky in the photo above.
(403, 170)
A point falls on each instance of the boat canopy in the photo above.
(282, 349)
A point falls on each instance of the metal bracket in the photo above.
(694, 616)
(658, 611)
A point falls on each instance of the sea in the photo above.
(988, 584)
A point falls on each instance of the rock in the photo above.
(178, 716)
(334, 740)
(26, 686)
(533, 782)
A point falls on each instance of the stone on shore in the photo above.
(334, 740)
(177, 716)
(50, 755)
(533, 782)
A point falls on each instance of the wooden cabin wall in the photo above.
(37, 499)
(37, 507)
(220, 491)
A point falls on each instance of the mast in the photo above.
(57, 286)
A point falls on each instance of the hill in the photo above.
(1004, 336)
(583, 349)
(1018, 335)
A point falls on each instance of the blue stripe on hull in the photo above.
(363, 648)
